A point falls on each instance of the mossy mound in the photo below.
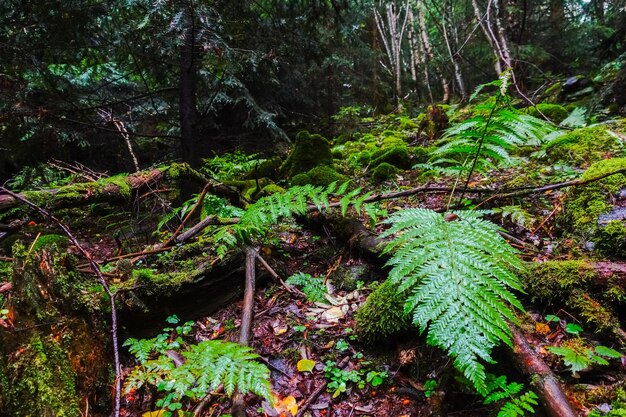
(555, 112)
(309, 151)
(382, 315)
(39, 381)
(587, 144)
(384, 172)
(249, 189)
(587, 203)
(397, 156)
(322, 175)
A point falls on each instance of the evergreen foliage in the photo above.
(458, 271)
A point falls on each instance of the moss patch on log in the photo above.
(40, 381)
(382, 315)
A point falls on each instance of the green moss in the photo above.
(397, 156)
(554, 112)
(121, 182)
(321, 175)
(587, 202)
(249, 188)
(46, 241)
(266, 169)
(384, 172)
(272, 189)
(41, 381)
(569, 284)
(382, 315)
(308, 152)
(610, 240)
(162, 284)
(554, 280)
(586, 144)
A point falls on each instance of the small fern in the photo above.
(192, 371)
(458, 273)
(516, 405)
(312, 287)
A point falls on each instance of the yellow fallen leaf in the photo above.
(291, 405)
(306, 365)
(542, 328)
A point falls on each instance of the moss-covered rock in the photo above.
(397, 156)
(555, 112)
(587, 144)
(309, 151)
(587, 203)
(321, 175)
(382, 315)
(384, 172)
(40, 381)
(269, 168)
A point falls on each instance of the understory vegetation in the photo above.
(337, 209)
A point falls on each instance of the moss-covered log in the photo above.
(112, 189)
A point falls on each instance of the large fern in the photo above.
(458, 271)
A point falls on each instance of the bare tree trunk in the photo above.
(430, 56)
(239, 406)
(458, 74)
(391, 30)
(481, 22)
(188, 110)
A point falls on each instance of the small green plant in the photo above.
(430, 387)
(229, 166)
(190, 372)
(342, 345)
(488, 137)
(578, 356)
(513, 403)
(340, 379)
(311, 286)
(299, 329)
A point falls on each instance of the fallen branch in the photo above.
(239, 407)
(541, 377)
(96, 270)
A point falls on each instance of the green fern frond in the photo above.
(256, 221)
(460, 279)
(490, 138)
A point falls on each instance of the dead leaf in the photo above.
(5, 287)
(542, 328)
(333, 314)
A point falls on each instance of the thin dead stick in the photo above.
(305, 405)
(198, 203)
(98, 273)
(239, 407)
(277, 277)
(526, 191)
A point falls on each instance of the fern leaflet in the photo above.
(458, 273)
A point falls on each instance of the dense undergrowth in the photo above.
(453, 276)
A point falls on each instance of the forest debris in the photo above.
(541, 377)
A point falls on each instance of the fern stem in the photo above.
(480, 145)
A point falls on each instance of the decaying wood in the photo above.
(540, 376)
(86, 193)
(239, 406)
(96, 270)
